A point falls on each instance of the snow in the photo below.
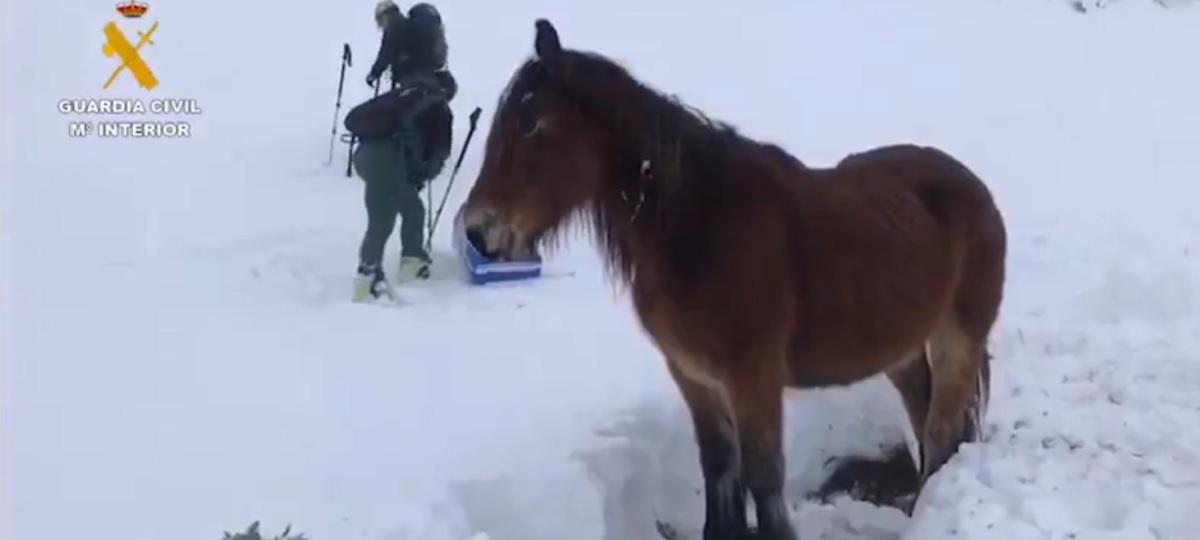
(179, 356)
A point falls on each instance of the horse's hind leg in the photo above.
(959, 361)
(912, 380)
(984, 390)
(957, 364)
(716, 436)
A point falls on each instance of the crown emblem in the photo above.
(133, 9)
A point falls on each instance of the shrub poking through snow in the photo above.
(253, 534)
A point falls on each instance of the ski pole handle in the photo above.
(471, 131)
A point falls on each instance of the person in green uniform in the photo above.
(395, 166)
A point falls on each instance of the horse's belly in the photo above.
(846, 345)
(841, 368)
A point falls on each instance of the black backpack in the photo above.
(417, 116)
(433, 127)
(393, 112)
(424, 40)
(381, 117)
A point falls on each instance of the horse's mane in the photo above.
(688, 156)
(657, 128)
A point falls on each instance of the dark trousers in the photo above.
(382, 165)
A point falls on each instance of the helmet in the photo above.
(384, 10)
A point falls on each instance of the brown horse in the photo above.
(751, 271)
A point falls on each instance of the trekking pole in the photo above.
(429, 209)
(347, 60)
(466, 144)
(350, 152)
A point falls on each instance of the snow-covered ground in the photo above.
(179, 356)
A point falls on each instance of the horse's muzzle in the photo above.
(494, 237)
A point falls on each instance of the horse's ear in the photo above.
(546, 44)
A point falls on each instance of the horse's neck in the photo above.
(615, 215)
(640, 226)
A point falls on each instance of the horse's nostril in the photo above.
(477, 237)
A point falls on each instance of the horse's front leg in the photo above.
(756, 397)
(716, 437)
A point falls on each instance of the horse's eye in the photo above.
(528, 122)
(527, 117)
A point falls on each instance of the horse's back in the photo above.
(948, 191)
(946, 187)
(888, 238)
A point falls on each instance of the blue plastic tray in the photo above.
(483, 270)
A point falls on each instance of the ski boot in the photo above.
(370, 284)
(413, 268)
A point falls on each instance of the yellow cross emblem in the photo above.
(117, 44)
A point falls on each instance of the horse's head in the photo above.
(542, 159)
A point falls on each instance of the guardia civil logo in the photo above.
(118, 46)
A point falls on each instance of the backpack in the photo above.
(424, 39)
(393, 112)
(380, 117)
(433, 128)
(418, 117)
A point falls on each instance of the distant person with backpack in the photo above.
(405, 136)
(413, 46)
